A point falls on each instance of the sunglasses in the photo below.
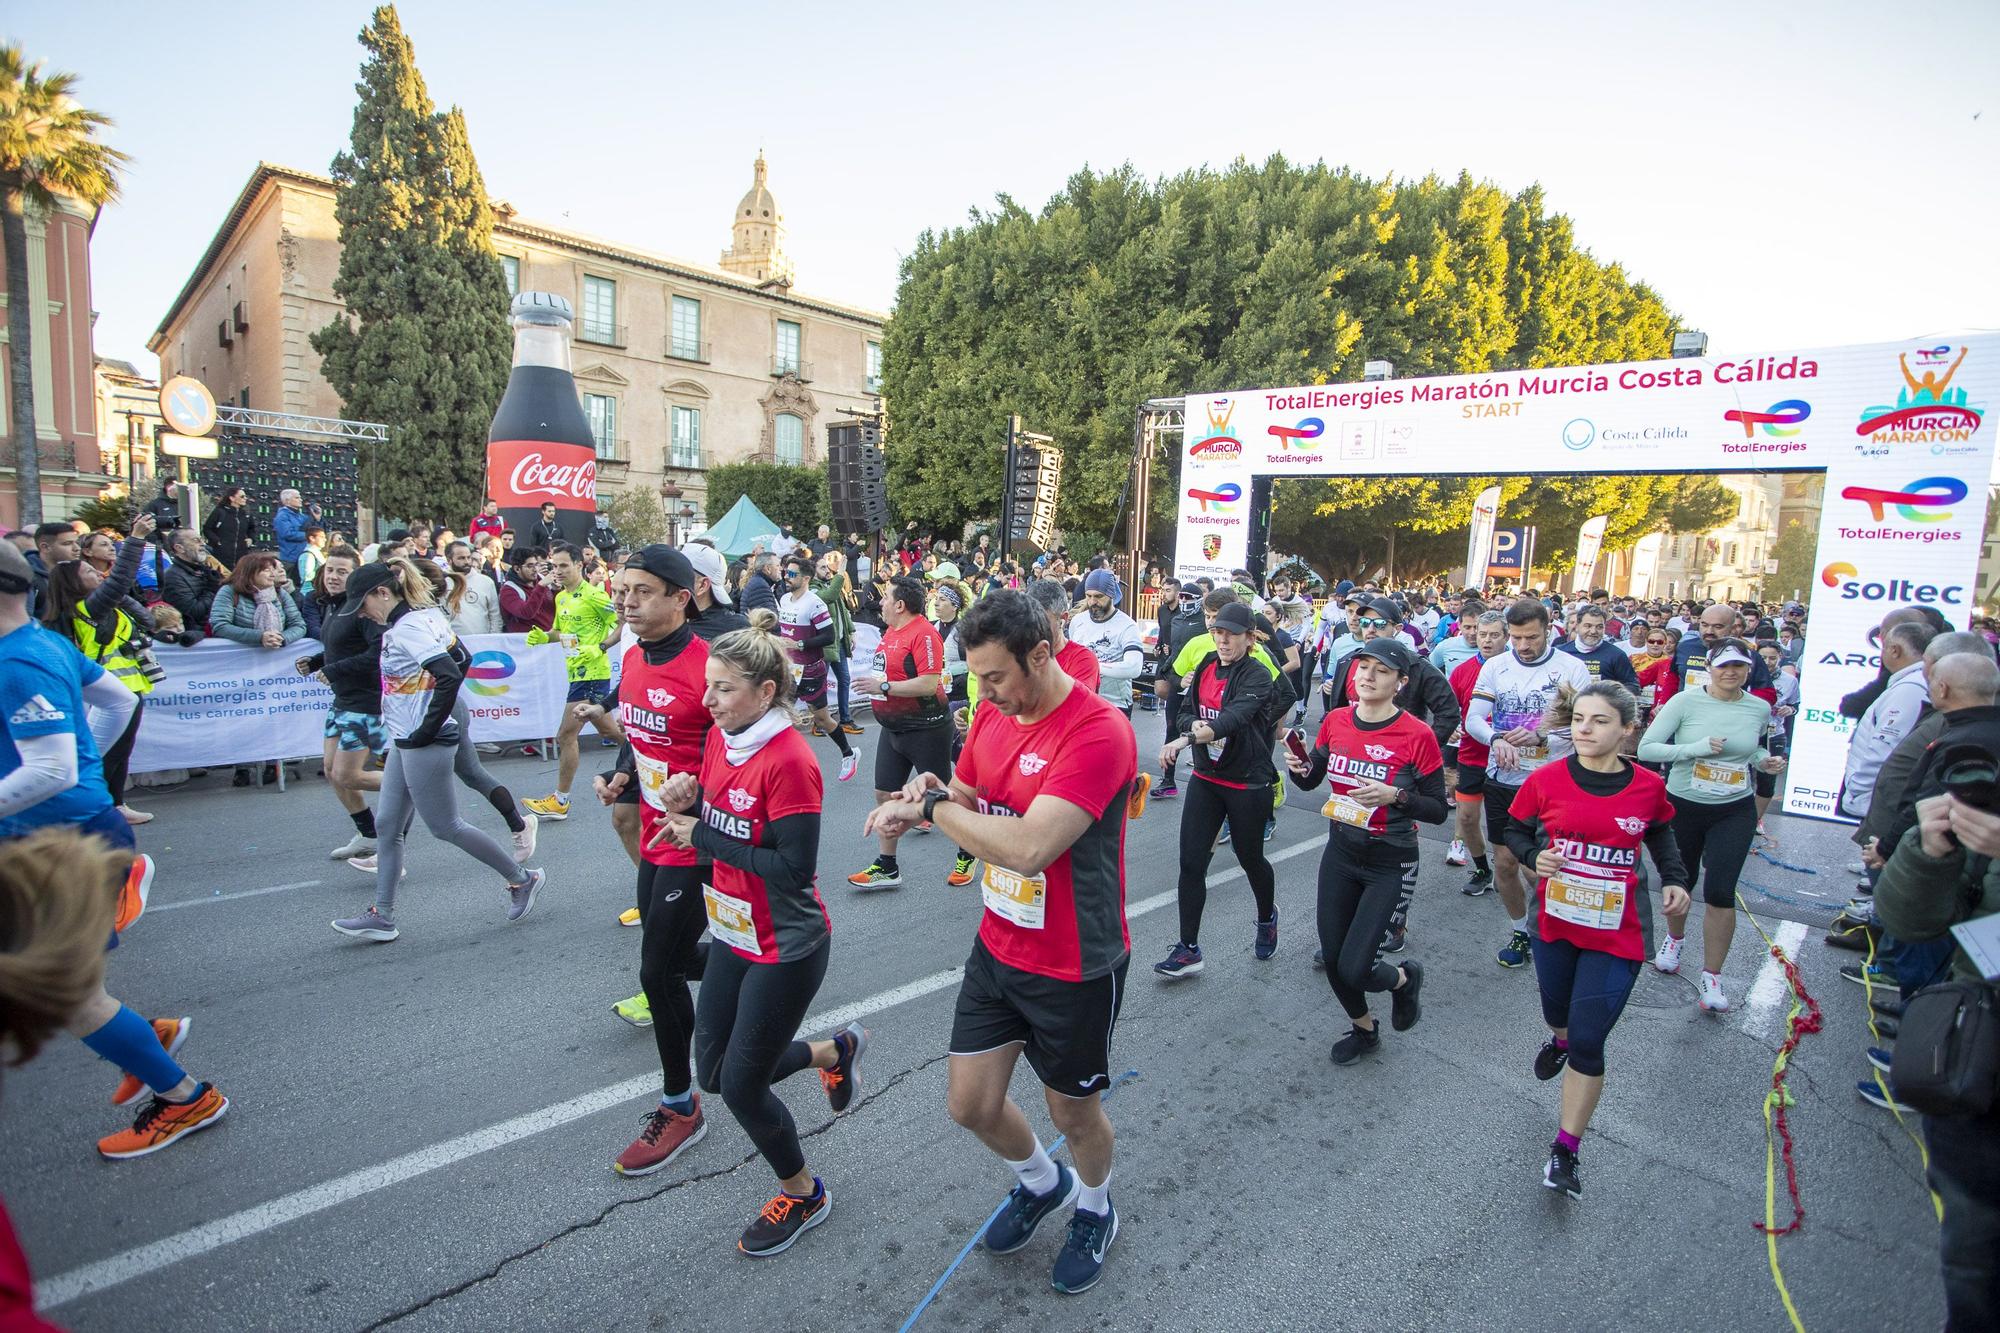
(1656, 643)
(1371, 622)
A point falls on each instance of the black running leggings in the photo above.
(1358, 896)
(1583, 991)
(1715, 842)
(1208, 805)
(746, 1039)
(118, 759)
(671, 919)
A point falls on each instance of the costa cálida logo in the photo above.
(524, 474)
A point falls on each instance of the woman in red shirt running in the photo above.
(1580, 824)
(760, 792)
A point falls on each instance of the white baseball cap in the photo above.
(1729, 655)
(707, 562)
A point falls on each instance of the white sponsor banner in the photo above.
(1589, 543)
(226, 703)
(1899, 429)
(1485, 518)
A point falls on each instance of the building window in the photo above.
(243, 398)
(791, 437)
(788, 348)
(601, 411)
(686, 439)
(686, 329)
(600, 311)
(512, 268)
(1729, 555)
(874, 367)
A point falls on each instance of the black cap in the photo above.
(364, 581)
(1234, 617)
(663, 563)
(1386, 609)
(1354, 595)
(1262, 625)
(1393, 652)
(1191, 590)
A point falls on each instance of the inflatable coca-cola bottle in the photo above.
(540, 449)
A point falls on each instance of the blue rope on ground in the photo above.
(945, 1276)
(1786, 865)
(1786, 898)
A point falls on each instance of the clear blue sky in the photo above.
(1784, 175)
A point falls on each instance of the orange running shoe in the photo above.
(163, 1121)
(1135, 804)
(666, 1136)
(132, 898)
(961, 871)
(173, 1034)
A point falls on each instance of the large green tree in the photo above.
(794, 495)
(1122, 289)
(424, 344)
(49, 149)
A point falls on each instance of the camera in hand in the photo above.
(1970, 773)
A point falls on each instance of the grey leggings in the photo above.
(421, 782)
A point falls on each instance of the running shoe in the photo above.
(132, 897)
(1710, 996)
(1024, 1211)
(354, 846)
(1481, 882)
(1856, 868)
(162, 1122)
(1270, 828)
(366, 865)
(1515, 952)
(173, 1034)
(1871, 974)
(1135, 804)
(852, 728)
(848, 763)
(668, 1134)
(1356, 1044)
(1878, 1057)
(1561, 1172)
(1267, 938)
(1223, 840)
(1399, 938)
(1549, 1061)
(1872, 1093)
(783, 1221)
(816, 730)
(521, 898)
(1183, 960)
(629, 917)
(1165, 790)
(923, 828)
(1457, 855)
(1081, 1262)
(524, 841)
(1405, 1002)
(1887, 1006)
(961, 871)
(638, 1011)
(1668, 957)
(554, 806)
(1887, 1028)
(1319, 959)
(1845, 934)
(370, 925)
(875, 877)
(135, 816)
(843, 1081)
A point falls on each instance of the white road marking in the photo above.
(122, 1267)
(1761, 1005)
(228, 897)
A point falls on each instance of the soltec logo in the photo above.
(1780, 419)
(1847, 578)
(1921, 501)
(487, 670)
(1223, 497)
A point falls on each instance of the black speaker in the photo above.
(856, 477)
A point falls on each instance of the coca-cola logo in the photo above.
(532, 476)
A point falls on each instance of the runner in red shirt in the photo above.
(1580, 824)
(660, 690)
(1040, 795)
(760, 794)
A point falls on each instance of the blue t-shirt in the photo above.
(42, 678)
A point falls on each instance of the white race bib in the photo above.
(1021, 899)
(1697, 679)
(1713, 777)
(653, 774)
(1647, 693)
(1583, 899)
(1528, 758)
(1347, 810)
(729, 919)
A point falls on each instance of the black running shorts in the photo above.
(1064, 1026)
(1471, 778)
(901, 753)
(1499, 801)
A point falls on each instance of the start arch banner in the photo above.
(1899, 429)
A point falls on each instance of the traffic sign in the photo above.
(187, 405)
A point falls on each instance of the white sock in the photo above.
(1520, 923)
(1095, 1198)
(1036, 1171)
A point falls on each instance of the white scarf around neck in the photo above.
(738, 746)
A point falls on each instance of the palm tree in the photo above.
(48, 148)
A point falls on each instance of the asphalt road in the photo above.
(421, 1133)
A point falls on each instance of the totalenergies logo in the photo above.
(487, 671)
(1923, 501)
(1219, 445)
(1780, 419)
(1311, 428)
(1221, 500)
(1927, 410)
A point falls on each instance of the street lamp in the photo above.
(670, 494)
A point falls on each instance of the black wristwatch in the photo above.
(1402, 797)
(931, 799)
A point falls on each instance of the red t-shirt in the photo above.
(781, 779)
(1596, 906)
(1471, 753)
(17, 1304)
(908, 651)
(1397, 752)
(1080, 664)
(1069, 921)
(661, 710)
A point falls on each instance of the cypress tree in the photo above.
(424, 344)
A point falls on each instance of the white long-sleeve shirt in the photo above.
(479, 612)
(1120, 651)
(1881, 730)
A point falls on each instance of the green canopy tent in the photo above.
(741, 528)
